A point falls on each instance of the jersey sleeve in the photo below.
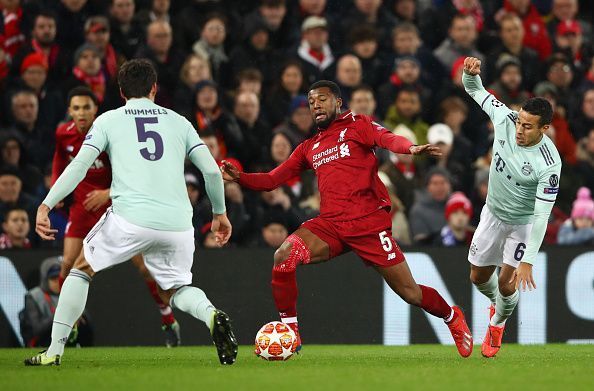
(546, 194)
(267, 181)
(96, 137)
(496, 110)
(375, 135)
(193, 141)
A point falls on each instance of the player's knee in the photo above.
(505, 288)
(477, 278)
(82, 265)
(292, 252)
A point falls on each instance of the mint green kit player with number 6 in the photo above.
(523, 185)
(150, 213)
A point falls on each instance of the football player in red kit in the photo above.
(354, 209)
(90, 199)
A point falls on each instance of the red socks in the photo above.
(433, 303)
(284, 291)
(166, 312)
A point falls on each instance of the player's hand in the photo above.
(472, 66)
(523, 277)
(221, 227)
(229, 171)
(426, 149)
(43, 225)
(96, 199)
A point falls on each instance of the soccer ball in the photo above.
(275, 341)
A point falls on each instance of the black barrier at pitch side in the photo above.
(341, 301)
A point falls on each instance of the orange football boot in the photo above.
(460, 332)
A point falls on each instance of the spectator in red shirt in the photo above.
(536, 36)
(97, 33)
(12, 16)
(569, 38)
(16, 229)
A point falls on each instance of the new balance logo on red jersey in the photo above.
(315, 146)
(391, 256)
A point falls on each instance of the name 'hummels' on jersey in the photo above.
(344, 160)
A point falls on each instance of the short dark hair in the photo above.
(45, 13)
(136, 78)
(329, 84)
(407, 89)
(14, 208)
(540, 107)
(362, 87)
(81, 91)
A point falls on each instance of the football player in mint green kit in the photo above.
(150, 214)
(523, 185)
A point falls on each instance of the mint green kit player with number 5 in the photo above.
(150, 213)
(523, 185)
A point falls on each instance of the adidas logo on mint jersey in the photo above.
(502, 142)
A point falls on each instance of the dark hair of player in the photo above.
(136, 78)
(82, 91)
(328, 84)
(540, 107)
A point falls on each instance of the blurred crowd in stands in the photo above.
(239, 70)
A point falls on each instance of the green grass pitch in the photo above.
(318, 367)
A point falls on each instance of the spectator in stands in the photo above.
(159, 10)
(13, 156)
(256, 133)
(211, 46)
(363, 43)
(299, 125)
(564, 10)
(406, 41)
(11, 20)
(562, 137)
(16, 229)
(406, 110)
(400, 226)
(570, 40)
(314, 52)
(31, 130)
(274, 231)
(457, 164)
(283, 32)
(71, 17)
(290, 84)
(363, 101)
(249, 80)
(585, 157)
(348, 75)
(457, 231)
(97, 33)
(12, 196)
(127, 34)
(304, 8)
(87, 72)
(34, 70)
(579, 229)
(427, 216)
(371, 12)
(511, 34)
(536, 36)
(194, 70)
(404, 10)
(560, 73)
(43, 40)
(508, 81)
(407, 73)
(210, 114)
(4, 64)
(479, 194)
(166, 59)
(256, 52)
(462, 36)
(584, 120)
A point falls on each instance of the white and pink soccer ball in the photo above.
(275, 341)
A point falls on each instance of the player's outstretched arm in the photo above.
(266, 181)
(473, 85)
(66, 183)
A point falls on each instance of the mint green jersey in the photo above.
(519, 177)
(147, 145)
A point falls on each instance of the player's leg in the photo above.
(169, 325)
(169, 260)
(507, 296)
(302, 247)
(72, 249)
(71, 304)
(485, 280)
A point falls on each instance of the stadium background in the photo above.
(257, 122)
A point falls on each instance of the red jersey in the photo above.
(343, 157)
(68, 143)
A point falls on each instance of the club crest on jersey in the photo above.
(554, 180)
(527, 169)
(341, 136)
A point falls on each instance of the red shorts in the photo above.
(80, 221)
(370, 237)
